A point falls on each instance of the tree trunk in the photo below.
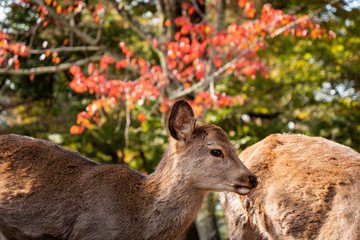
(191, 233)
(206, 223)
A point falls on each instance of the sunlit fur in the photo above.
(309, 188)
(48, 192)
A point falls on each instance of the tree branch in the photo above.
(65, 49)
(160, 6)
(133, 23)
(33, 33)
(49, 69)
(101, 23)
(197, 9)
(170, 6)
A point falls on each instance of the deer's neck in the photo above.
(174, 202)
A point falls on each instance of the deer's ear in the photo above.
(181, 121)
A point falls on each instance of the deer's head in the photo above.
(205, 154)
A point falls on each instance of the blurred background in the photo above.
(98, 76)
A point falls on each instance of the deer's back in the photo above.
(309, 189)
(59, 190)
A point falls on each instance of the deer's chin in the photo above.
(242, 190)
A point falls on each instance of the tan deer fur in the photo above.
(49, 192)
(309, 188)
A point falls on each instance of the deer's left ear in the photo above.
(181, 121)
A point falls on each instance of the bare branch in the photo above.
(197, 9)
(33, 34)
(133, 23)
(49, 69)
(101, 23)
(170, 6)
(219, 27)
(221, 15)
(160, 6)
(65, 49)
(127, 124)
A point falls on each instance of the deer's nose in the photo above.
(253, 181)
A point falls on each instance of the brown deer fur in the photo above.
(48, 192)
(309, 188)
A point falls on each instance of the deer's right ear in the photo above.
(181, 120)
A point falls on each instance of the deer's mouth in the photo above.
(242, 190)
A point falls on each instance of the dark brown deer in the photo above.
(48, 192)
(309, 189)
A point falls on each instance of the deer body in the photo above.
(309, 189)
(48, 192)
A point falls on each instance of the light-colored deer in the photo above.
(48, 192)
(309, 189)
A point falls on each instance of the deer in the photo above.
(49, 192)
(309, 188)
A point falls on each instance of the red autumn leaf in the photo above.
(96, 19)
(133, 62)
(217, 61)
(104, 61)
(198, 110)
(99, 7)
(17, 63)
(23, 50)
(141, 117)
(185, 6)
(129, 54)
(124, 50)
(122, 63)
(91, 68)
(58, 9)
(163, 108)
(74, 69)
(76, 129)
(249, 70)
(177, 35)
(242, 3)
(155, 43)
(131, 106)
(314, 34)
(249, 9)
(56, 60)
(172, 64)
(47, 53)
(85, 123)
(191, 11)
(46, 23)
(142, 62)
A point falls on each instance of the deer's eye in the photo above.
(216, 153)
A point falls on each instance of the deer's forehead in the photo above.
(209, 132)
